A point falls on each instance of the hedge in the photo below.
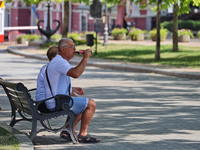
(182, 24)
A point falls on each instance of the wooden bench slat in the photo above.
(15, 93)
(21, 105)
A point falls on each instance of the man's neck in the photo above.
(63, 56)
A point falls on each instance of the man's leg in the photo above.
(87, 117)
(76, 121)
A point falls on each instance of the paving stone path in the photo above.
(135, 111)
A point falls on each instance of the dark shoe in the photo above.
(65, 135)
(87, 139)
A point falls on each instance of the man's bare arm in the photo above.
(78, 70)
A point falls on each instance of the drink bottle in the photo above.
(80, 52)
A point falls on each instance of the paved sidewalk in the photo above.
(119, 65)
(135, 111)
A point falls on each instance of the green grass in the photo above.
(8, 141)
(186, 57)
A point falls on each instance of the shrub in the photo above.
(29, 37)
(198, 34)
(116, 31)
(32, 37)
(163, 33)
(182, 24)
(74, 36)
(185, 32)
(57, 37)
(20, 37)
(80, 42)
(135, 32)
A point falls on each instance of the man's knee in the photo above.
(91, 103)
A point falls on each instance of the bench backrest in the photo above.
(18, 95)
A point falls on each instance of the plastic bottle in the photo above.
(80, 52)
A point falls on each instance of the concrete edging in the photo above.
(14, 50)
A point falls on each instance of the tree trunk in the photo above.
(66, 18)
(175, 28)
(157, 52)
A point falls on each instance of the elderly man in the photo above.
(59, 72)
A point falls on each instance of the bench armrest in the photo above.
(44, 100)
(32, 89)
(37, 103)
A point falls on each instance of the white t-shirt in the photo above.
(59, 81)
(40, 92)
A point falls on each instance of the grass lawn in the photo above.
(8, 141)
(186, 57)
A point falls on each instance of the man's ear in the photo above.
(62, 49)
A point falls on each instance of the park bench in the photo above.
(21, 102)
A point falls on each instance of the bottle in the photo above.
(80, 52)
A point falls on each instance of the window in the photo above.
(83, 22)
(7, 18)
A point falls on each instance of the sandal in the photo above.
(66, 136)
(87, 139)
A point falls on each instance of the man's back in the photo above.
(59, 81)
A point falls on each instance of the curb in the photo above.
(26, 143)
(14, 50)
(112, 65)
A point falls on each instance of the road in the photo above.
(135, 111)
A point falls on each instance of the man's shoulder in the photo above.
(59, 60)
(44, 67)
(42, 70)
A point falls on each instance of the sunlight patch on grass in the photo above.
(186, 57)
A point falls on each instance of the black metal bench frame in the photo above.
(21, 102)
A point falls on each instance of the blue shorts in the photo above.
(80, 104)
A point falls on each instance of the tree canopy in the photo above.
(182, 4)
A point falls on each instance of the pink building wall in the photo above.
(24, 17)
(141, 23)
(120, 14)
(60, 19)
(14, 17)
(54, 17)
(75, 22)
(41, 17)
(21, 17)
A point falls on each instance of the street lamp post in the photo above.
(105, 27)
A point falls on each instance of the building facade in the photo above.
(17, 13)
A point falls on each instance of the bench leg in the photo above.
(72, 135)
(70, 128)
(34, 129)
(13, 117)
